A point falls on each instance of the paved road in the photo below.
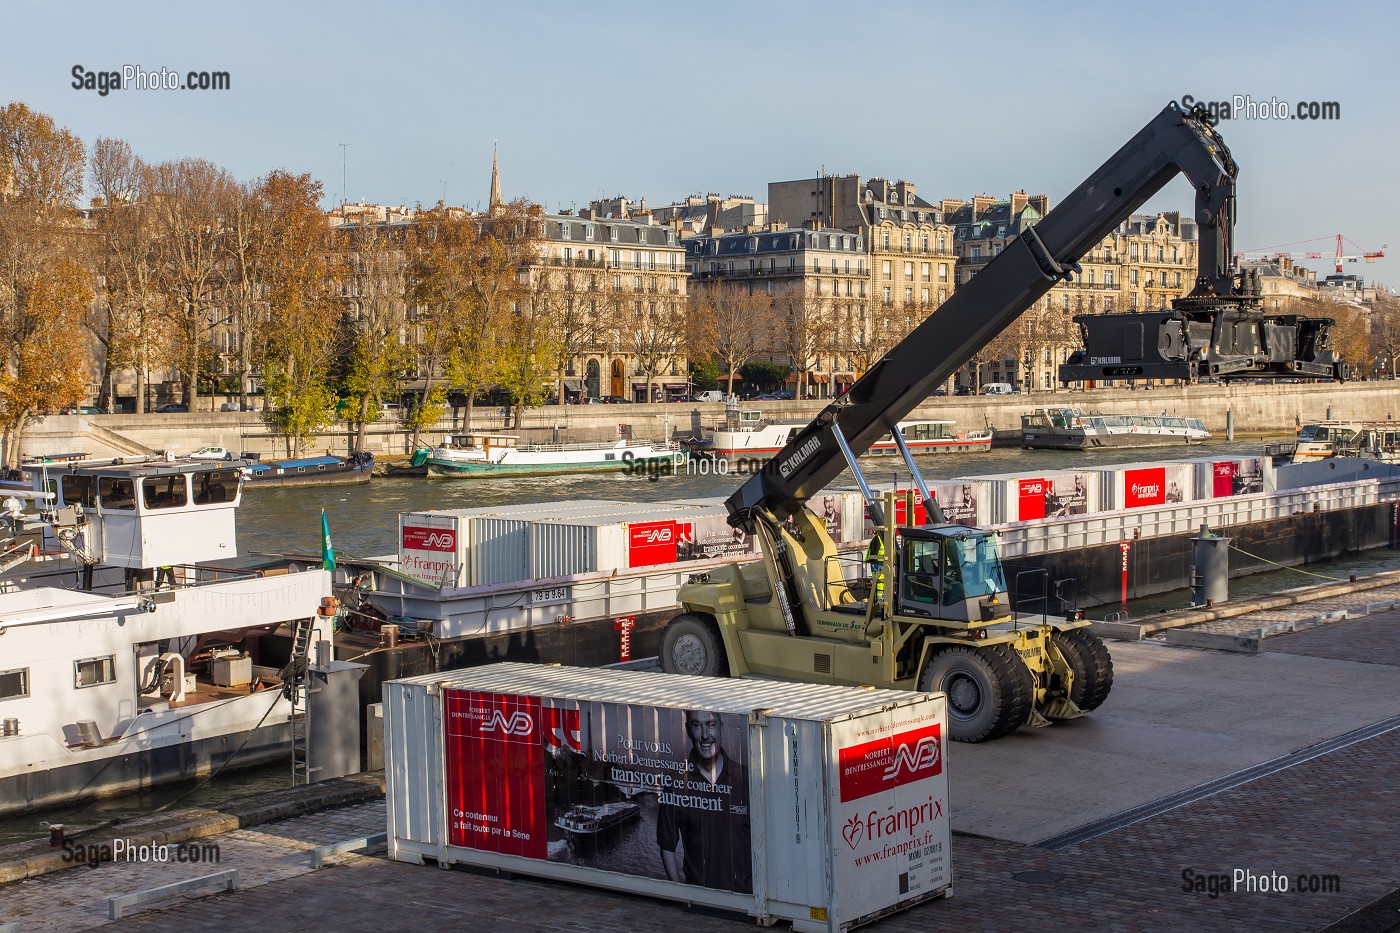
(1176, 717)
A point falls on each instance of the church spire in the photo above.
(495, 202)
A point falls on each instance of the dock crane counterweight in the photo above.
(935, 615)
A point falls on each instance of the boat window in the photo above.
(14, 684)
(165, 492)
(116, 493)
(93, 671)
(216, 487)
(80, 490)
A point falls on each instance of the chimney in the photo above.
(906, 191)
(1041, 203)
(951, 205)
(1019, 200)
(712, 227)
(981, 203)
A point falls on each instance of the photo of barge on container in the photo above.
(582, 822)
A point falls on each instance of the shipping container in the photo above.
(433, 547)
(1137, 485)
(1221, 477)
(820, 805)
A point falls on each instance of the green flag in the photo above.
(327, 552)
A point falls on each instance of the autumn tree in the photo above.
(374, 320)
(1350, 333)
(650, 328)
(132, 318)
(576, 326)
(187, 199)
(303, 277)
(1385, 330)
(530, 349)
(44, 290)
(728, 320)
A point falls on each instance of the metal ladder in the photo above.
(298, 685)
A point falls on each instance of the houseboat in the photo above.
(1369, 440)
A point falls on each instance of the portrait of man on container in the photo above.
(706, 813)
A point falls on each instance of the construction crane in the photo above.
(1339, 256)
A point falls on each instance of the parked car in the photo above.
(84, 410)
(174, 408)
(391, 411)
(616, 400)
(212, 453)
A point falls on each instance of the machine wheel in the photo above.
(990, 691)
(691, 645)
(1093, 668)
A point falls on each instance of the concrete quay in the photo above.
(1200, 764)
(1259, 410)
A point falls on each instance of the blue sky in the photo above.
(663, 100)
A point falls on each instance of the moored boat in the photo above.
(1368, 440)
(480, 455)
(1076, 429)
(320, 470)
(130, 660)
(745, 433)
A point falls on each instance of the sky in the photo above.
(659, 101)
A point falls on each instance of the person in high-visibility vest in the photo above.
(875, 558)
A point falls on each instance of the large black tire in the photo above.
(1092, 666)
(990, 691)
(691, 645)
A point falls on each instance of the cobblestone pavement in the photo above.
(1304, 615)
(76, 899)
(1331, 817)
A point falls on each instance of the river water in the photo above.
(363, 523)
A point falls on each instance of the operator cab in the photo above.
(949, 572)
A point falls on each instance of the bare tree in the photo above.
(730, 321)
(801, 330)
(187, 198)
(376, 317)
(650, 328)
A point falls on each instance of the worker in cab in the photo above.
(875, 560)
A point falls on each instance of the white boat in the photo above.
(745, 433)
(477, 454)
(1076, 429)
(1369, 440)
(127, 659)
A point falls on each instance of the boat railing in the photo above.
(560, 448)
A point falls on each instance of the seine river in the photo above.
(364, 518)
(363, 522)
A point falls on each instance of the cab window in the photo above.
(216, 487)
(116, 493)
(164, 492)
(80, 490)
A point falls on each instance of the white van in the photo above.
(711, 395)
(997, 388)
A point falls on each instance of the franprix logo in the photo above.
(1143, 491)
(429, 539)
(853, 831)
(1144, 487)
(517, 723)
(922, 756)
(891, 762)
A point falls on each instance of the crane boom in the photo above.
(1175, 141)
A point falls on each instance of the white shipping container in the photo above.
(823, 806)
(500, 549)
(1137, 485)
(1221, 477)
(433, 547)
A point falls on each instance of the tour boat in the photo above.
(127, 658)
(480, 455)
(1074, 429)
(747, 434)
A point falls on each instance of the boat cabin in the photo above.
(145, 514)
(477, 440)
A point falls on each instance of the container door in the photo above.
(888, 798)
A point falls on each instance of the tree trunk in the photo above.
(360, 432)
(141, 386)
